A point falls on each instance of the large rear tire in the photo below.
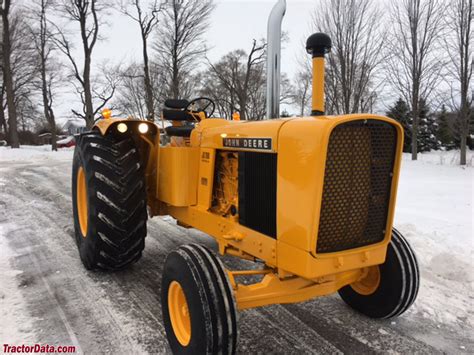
(199, 310)
(388, 289)
(109, 201)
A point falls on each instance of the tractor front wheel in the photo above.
(199, 310)
(109, 201)
(389, 289)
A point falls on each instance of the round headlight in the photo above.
(122, 127)
(143, 128)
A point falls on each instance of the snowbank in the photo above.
(451, 157)
(435, 212)
(32, 153)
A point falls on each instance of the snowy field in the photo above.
(47, 297)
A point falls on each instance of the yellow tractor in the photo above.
(310, 200)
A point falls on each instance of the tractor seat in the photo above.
(179, 131)
(176, 104)
(177, 115)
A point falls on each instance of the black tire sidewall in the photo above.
(86, 245)
(387, 296)
(177, 269)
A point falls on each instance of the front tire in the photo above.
(199, 310)
(109, 201)
(389, 289)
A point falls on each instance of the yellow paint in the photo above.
(368, 284)
(318, 84)
(179, 313)
(206, 177)
(82, 201)
(211, 136)
(178, 174)
(302, 150)
(303, 263)
(272, 289)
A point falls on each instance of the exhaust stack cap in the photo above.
(318, 44)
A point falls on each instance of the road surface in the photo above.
(56, 301)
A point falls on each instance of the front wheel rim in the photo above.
(82, 208)
(370, 283)
(179, 313)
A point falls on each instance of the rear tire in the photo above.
(209, 324)
(397, 285)
(110, 226)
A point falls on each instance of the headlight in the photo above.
(122, 127)
(143, 128)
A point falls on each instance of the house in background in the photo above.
(74, 126)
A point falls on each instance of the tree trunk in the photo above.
(175, 80)
(463, 149)
(243, 109)
(148, 87)
(3, 122)
(88, 93)
(414, 125)
(464, 120)
(48, 111)
(8, 79)
(54, 136)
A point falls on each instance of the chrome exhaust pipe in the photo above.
(273, 58)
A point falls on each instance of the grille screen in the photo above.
(357, 185)
(257, 191)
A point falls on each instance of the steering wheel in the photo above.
(201, 104)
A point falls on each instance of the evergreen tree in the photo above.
(401, 112)
(445, 132)
(428, 128)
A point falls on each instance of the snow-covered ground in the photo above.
(435, 212)
(39, 268)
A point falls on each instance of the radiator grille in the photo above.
(357, 183)
(257, 191)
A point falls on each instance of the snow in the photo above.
(435, 212)
(15, 323)
(30, 153)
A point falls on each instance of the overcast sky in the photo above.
(233, 25)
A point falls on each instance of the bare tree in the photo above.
(355, 29)
(180, 43)
(5, 11)
(43, 42)
(414, 67)
(459, 45)
(3, 121)
(302, 87)
(147, 21)
(131, 98)
(86, 14)
(242, 76)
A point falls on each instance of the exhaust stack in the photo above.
(318, 45)
(273, 58)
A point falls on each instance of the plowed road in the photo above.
(58, 302)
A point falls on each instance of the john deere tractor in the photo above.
(310, 200)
